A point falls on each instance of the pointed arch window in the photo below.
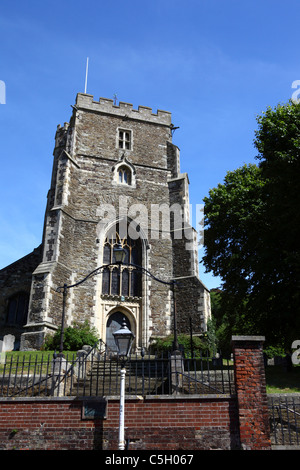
(124, 175)
(124, 172)
(125, 280)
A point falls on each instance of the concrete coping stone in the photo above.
(117, 398)
(248, 338)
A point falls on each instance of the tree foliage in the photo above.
(252, 232)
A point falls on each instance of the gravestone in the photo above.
(7, 344)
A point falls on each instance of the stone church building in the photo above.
(116, 179)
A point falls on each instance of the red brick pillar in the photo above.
(251, 392)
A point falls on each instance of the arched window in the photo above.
(124, 172)
(124, 175)
(17, 309)
(121, 280)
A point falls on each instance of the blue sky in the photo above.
(214, 64)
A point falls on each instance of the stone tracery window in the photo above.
(125, 280)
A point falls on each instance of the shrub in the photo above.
(164, 345)
(272, 351)
(75, 336)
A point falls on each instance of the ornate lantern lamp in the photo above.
(123, 338)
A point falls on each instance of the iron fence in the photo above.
(97, 373)
(284, 415)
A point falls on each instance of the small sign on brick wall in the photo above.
(94, 409)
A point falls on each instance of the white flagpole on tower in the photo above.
(86, 74)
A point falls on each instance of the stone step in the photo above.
(112, 387)
(144, 377)
(103, 378)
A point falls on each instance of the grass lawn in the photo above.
(15, 361)
(280, 381)
(39, 355)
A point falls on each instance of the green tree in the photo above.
(278, 143)
(222, 328)
(216, 308)
(231, 211)
(252, 232)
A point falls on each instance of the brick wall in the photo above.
(202, 422)
(151, 423)
(251, 392)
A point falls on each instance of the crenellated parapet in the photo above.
(105, 105)
(61, 135)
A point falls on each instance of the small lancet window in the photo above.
(124, 175)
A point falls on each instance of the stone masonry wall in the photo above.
(84, 183)
(14, 279)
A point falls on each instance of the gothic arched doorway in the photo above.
(114, 323)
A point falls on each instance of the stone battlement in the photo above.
(106, 105)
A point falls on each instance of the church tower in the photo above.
(116, 179)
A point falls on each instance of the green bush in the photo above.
(75, 336)
(165, 345)
(272, 351)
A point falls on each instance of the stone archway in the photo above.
(113, 324)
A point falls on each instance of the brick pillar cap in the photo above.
(248, 338)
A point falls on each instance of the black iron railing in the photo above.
(96, 372)
(284, 415)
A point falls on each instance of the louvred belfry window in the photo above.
(121, 280)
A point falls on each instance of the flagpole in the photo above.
(86, 74)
